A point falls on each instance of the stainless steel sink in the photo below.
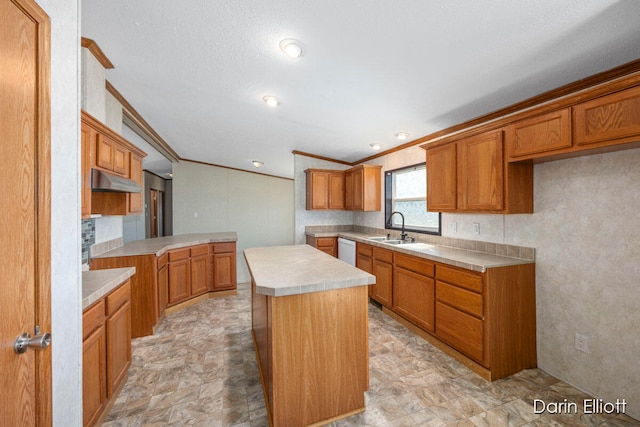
(383, 239)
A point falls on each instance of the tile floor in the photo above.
(200, 369)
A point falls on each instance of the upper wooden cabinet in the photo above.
(102, 148)
(613, 118)
(364, 188)
(325, 189)
(538, 135)
(357, 189)
(471, 175)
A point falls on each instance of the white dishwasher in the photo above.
(347, 251)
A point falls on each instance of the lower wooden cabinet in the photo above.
(94, 363)
(224, 266)
(413, 297)
(106, 351)
(328, 245)
(487, 320)
(383, 270)
(179, 276)
(163, 283)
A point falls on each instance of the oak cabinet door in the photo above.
(441, 178)
(540, 134)
(413, 297)
(336, 190)
(224, 268)
(118, 347)
(383, 289)
(179, 281)
(94, 375)
(199, 274)
(481, 172)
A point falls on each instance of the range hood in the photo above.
(105, 181)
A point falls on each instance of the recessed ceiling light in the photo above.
(375, 146)
(271, 101)
(291, 47)
(257, 163)
(401, 135)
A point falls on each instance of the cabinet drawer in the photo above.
(470, 281)
(324, 242)
(415, 264)
(224, 247)
(179, 255)
(383, 255)
(92, 318)
(364, 250)
(460, 330)
(118, 298)
(162, 260)
(200, 250)
(462, 299)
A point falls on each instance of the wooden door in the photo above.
(199, 274)
(441, 178)
(118, 347)
(179, 281)
(383, 289)
(413, 297)
(224, 270)
(153, 213)
(336, 190)
(481, 172)
(348, 190)
(88, 141)
(358, 189)
(135, 173)
(25, 217)
(319, 190)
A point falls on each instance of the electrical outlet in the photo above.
(476, 228)
(453, 227)
(582, 343)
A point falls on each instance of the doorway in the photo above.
(153, 213)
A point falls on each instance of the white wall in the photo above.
(66, 296)
(213, 199)
(304, 217)
(587, 239)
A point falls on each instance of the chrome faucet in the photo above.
(403, 235)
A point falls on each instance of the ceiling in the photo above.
(197, 70)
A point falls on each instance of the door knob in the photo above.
(39, 341)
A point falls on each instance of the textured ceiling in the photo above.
(197, 70)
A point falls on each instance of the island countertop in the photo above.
(300, 269)
(159, 245)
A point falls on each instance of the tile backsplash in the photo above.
(88, 237)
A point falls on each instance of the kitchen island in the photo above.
(310, 331)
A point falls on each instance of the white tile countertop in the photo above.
(160, 245)
(298, 269)
(98, 283)
(469, 259)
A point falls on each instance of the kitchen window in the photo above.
(406, 192)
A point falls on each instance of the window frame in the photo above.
(388, 203)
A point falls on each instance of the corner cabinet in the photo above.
(358, 189)
(102, 148)
(327, 245)
(471, 175)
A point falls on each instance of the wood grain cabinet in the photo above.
(162, 269)
(611, 119)
(102, 148)
(543, 134)
(179, 276)
(484, 182)
(414, 290)
(363, 185)
(134, 200)
(224, 266)
(328, 245)
(106, 352)
(325, 189)
(383, 270)
(364, 260)
(199, 264)
(94, 363)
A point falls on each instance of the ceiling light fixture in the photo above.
(271, 101)
(257, 163)
(375, 146)
(401, 135)
(291, 47)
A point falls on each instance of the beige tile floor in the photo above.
(200, 369)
